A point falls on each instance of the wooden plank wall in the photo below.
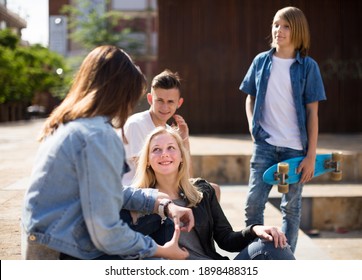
(211, 43)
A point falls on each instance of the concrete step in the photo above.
(331, 207)
(233, 200)
(225, 159)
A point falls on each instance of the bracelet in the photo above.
(162, 207)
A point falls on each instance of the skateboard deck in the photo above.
(285, 173)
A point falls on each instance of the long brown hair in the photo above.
(107, 84)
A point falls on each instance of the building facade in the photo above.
(143, 21)
(11, 20)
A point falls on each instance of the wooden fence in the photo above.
(211, 43)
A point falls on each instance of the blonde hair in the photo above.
(107, 84)
(300, 35)
(145, 176)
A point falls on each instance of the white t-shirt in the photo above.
(279, 117)
(136, 129)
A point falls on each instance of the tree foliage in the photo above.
(8, 39)
(25, 71)
(91, 25)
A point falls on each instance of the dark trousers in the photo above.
(151, 225)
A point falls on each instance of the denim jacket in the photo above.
(307, 86)
(75, 195)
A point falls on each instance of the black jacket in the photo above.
(211, 224)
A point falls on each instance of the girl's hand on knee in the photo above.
(271, 233)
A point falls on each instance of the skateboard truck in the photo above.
(281, 176)
(335, 163)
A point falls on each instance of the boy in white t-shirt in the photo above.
(283, 87)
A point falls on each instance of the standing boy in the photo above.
(284, 87)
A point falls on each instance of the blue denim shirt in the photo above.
(307, 86)
(75, 195)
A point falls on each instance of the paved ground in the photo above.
(18, 147)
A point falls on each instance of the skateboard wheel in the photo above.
(283, 188)
(337, 156)
(336, 175)
(283, 167)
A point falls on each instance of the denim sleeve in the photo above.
(248, 85)
(99, 169)
(142, 200)
(314, 87)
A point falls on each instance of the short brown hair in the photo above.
(167, 80)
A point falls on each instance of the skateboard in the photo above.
(284, 173)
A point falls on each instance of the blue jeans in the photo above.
(265, 250)
(264, 156)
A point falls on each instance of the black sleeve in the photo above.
(223, 233)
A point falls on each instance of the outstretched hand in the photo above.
(271, 233)
(181, 216)
(171, 249)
